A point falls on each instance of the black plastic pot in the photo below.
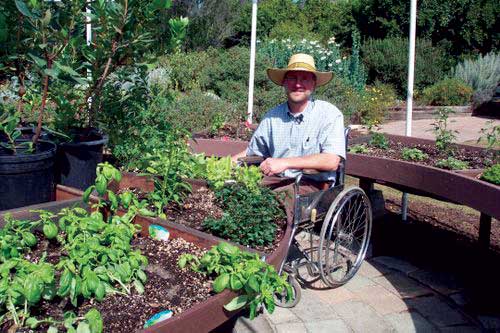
(27, 178)
(76, 161)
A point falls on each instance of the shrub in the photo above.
(449, 91)
(196, 111)
(186, 69)
(452, 163)
(327, 57)
(492, 174)
(373, 104)
(343, 95)
(482, 74)
(387, 61)
(413, 154)
(228, 78)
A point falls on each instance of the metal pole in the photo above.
(409, 98)
(251, 78)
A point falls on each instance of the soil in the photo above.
(229, 132)
(200, 204)
(128, 313)
(475, 159)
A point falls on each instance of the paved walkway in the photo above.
(468, 127)
(387, 294)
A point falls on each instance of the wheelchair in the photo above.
(330, 234)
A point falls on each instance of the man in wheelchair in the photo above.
(293, 138)
(301, 133)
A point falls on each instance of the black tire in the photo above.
(345, 236)
(280, 299)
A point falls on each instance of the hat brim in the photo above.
(277, 75)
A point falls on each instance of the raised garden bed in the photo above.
(207, 312)
(476, 158)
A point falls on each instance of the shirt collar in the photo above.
(300, 116)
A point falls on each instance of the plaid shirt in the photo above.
(318, 129)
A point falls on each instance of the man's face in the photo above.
(299, 86)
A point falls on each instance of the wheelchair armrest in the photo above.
(310, 171)
(251, 160)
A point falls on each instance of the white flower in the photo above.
(338, 61)
(323, 58)
(330, 65)
(344, 58)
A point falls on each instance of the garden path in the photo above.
(386, 295)
(468, 127)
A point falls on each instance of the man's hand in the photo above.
(274, 166)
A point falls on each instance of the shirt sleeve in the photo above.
(332, 137)
(259, 144)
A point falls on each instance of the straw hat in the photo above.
(299, 62)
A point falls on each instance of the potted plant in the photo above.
(72, 70)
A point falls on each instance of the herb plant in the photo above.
(444, 136)
(413, 154)
(492, 174)
(96, 257)
(452, 163)
(358, 149)
(242, 272)
(491, 133)
(379, 140)
(219, 171)
(249, 217)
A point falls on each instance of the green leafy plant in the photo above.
(490, 133)
(387, 61)
(492, 174)
(449, 91)
(359, 149)
(8, 127)
(413, 154)
(379, 140)
(178, 29)
(444, 136)
(242, 272)
(249, 217)
(452, 163)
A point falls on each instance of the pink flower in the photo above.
(247, 124)
(225, 138)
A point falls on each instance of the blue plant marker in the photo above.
(160, 316)
(158, 232)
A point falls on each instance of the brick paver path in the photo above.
(386, 295)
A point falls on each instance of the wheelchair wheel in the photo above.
(280, 299)
(344, 237)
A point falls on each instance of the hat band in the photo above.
(302, 65)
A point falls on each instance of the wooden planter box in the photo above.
(202, 317)
(411, 141)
